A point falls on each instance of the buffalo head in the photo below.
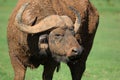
(61, 40)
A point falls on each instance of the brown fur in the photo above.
(23, 47)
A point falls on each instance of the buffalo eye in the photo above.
(59, 36)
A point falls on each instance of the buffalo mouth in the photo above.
(74, 58)
(60, 58)
(66, 59)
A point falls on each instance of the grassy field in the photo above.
(104, 60)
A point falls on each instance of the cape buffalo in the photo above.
(47, 32)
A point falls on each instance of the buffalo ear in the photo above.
(43, 42)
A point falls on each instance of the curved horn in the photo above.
(67, 20)
(77, 22)
(47, 23)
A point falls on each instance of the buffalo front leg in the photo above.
(19, 68)
(77, 70)
(49, 69)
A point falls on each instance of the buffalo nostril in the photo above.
(75, 50)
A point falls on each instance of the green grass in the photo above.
(6, 72)
(103, 62)
(104, 5)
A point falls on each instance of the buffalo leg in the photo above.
(49, 69)
(19, 68)
(77, 70)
